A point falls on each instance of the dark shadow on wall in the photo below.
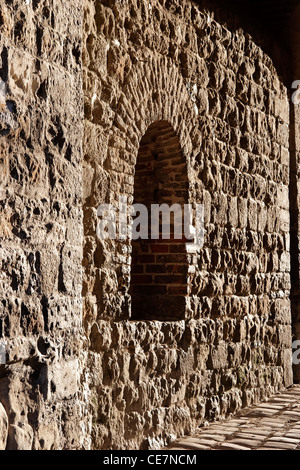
(294, 237)
(267, 22)
(294, 33)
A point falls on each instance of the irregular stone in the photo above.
(20, 438)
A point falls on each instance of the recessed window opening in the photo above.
(159, 270)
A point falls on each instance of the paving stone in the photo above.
(272, 405)
(288, 435)
(283, 439)
(208, 442)
(223, 428)
(256, 436)
(250, 443)
(285, 401)
(237, 422)
(228, 430)
(261, 413)
(258, 432)
(293, 434)
(280, 445)
(292, 415)
(275, 424)
(214, 437)
(277, 431)
(194, 443)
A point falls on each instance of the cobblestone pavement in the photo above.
(272, 425)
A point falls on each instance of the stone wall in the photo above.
(41, 133)
(146, 64)
(89, 93)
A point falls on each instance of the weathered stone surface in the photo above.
(161, 98)
(41, 219)
(210, 91)
(3, 427)
(20, 438)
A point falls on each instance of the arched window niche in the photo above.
(159, 267)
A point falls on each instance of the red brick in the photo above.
(177, 290)
(149, 290)
(174, 258)
(170, 279)
(177, 248)
(141, 279)
(167, 268)
(157, 268)
(159, 248)
(146, 259)
(137, 269)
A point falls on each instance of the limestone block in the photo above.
(20, 437)
(63, 379)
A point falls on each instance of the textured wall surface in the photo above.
(81, 83)
(41, 223)
(170, 61)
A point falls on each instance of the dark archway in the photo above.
(159, 282)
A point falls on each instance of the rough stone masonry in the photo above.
(112, 344)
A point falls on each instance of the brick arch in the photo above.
(159, 269)
(154, 92)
